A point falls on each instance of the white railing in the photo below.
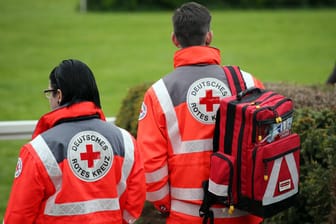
(11, 130)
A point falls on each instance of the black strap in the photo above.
(208, 200)
(236, 78)
(208, 217)
(215, 140)
(230, 122)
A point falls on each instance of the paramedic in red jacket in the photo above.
(78, 168)
(176, 122)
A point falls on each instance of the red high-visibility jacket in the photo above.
(175, 132)
(78, 168)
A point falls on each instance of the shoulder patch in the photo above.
(90, 155)
(18, 168)
(143, 111)
(203, 98)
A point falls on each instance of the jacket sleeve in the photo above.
(136, 189)
(258, 83)
(28, 189)
(153, 144)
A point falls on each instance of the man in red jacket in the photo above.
(78, 168)
(177, 120)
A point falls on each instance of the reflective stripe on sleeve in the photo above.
(218, 189)
(169, 111)
(167, 106)
(55, 174)
(157, 175)
(48, 160)
(193, 210)
(159, 194)
(187, 193)
(128, 161)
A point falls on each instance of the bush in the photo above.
(316, 97)
(128, 114)
(132, 5)
(315, 121)
(317, 130)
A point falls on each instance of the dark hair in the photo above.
(191, 23)
(76, 81)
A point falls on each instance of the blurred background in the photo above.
(128, 42)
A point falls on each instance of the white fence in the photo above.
(10, 130)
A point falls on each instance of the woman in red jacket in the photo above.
(78, 168)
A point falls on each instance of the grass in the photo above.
(124, 49)
(9, 151)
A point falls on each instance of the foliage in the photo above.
(133, 5)
(317, 130)
(314, 97)
(315, 121)
(171, 4)
(127, 116)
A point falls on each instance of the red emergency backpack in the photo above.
(256, 158)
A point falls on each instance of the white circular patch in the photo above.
(18, 168)
(203, 98)
(143, 111)
(90, 155)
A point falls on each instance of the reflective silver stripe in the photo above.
(81, 208)
(218, 189)
(128, 217)
(48, 160)
(200, 145)
(167, 106)
(128, 161)
(269, 197)
(171, 118)
(55, 174)
(159, 194)
(248, 79)
(187, 193)
(157, 175)
(293, 170)
(193, 210)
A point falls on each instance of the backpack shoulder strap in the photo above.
(235, 79)
(215, 139)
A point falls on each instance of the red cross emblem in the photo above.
(209, 100)
(89, 155)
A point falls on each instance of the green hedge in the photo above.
(317, 130)
(315, 121)
(104, 5)
(128, 114)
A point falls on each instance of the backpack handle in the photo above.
(248, 91)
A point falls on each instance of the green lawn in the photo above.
(9, 151)
(124, 49)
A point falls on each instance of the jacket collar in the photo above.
(197, 55)
(76, 110)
